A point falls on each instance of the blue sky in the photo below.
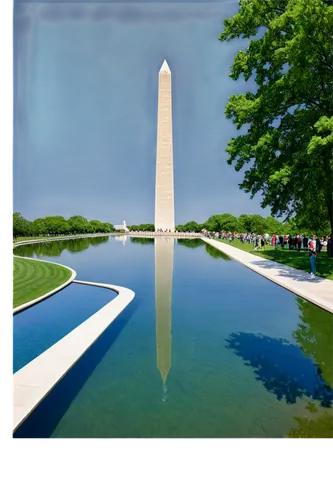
(85, 109)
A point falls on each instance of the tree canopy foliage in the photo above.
(244, 224)
(285, 142)
(253, 223)
(55, 225)
(142, 227)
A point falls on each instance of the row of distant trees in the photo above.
(56, 225)
(248, 223)
(142, 227)
(253, 224)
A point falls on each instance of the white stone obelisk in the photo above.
(164, 193)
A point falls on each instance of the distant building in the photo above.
(122, 227)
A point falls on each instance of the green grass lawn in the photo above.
(292, 258)
(33, 279)
(27, 238)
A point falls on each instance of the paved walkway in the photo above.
(319, 291)
(36, 379)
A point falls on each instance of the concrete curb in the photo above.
(296, 281)
(35, 380)
(48, 294)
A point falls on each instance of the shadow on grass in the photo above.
(44, 419)
(281, 367)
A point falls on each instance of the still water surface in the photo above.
(207, 348)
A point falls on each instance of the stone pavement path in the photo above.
(319, 291)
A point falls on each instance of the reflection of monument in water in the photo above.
(164, 250)
(122, 238)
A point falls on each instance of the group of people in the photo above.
(297, 242)
(294, 242)
(166, 232)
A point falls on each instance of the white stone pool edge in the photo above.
(35, 380)
(318, 291)
(51, 292)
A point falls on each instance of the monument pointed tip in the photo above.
(165, 67)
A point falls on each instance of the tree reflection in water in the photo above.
(190, 242)
(142, 241)
(55, 248)
(215, 253)
(321, 427)
(281, 367)
(197, 242)
(293, 371)
(314, 336)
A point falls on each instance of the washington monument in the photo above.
(164, 194)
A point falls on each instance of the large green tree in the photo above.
(56, 224)
(192, 226)
(244, 223)
(78, 224)
(286, 127)
(21, 226)
(258, 224)
(221, 222)
(273, 226)
(96, 226)
(39, 227)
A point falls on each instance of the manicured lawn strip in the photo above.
(292, 258)
(27, 238)
(33, 279)
(70, 236)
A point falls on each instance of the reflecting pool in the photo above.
(207, 348)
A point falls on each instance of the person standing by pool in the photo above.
(256, 240)
(313, 242)
(299, 242)
(313, 257)
(321, 244)
(317, 245)
(305, 242)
